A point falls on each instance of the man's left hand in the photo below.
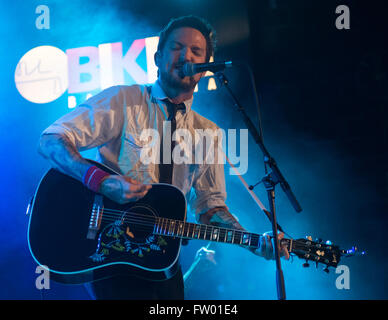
(267, 247)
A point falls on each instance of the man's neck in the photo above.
(176, 96)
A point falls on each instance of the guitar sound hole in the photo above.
(138, 223)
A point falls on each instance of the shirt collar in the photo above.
(158, 93)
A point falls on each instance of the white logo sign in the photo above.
(41, 74)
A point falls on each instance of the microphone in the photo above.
(190, 69)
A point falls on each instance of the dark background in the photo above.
(323, 101)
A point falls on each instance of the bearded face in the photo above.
(183, 45)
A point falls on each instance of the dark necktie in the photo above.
(166, 169)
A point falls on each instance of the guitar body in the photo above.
(63, 236)
(81, 236)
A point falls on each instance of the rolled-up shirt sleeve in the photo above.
(209, 189)
(94, 122)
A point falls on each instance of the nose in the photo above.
(186, 55)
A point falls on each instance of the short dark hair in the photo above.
(194, 22)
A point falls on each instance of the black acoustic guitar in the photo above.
(81, 236)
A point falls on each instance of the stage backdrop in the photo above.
(323, 111)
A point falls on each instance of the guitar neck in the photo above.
(193, 231)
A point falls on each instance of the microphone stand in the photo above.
(270, 180)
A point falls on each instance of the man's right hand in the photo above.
(123, 189)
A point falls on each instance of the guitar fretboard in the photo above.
(187, 230)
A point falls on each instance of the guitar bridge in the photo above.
(95, 217)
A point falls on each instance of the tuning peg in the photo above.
(355, 251)
(352, 251)
(306, 264)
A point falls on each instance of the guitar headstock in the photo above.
(320, 252)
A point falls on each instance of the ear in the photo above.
(157, 58)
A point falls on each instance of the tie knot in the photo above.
(172, 108)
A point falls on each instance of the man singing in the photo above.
(113, 121)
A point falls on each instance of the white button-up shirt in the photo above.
(113, 121)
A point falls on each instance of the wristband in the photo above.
(93, 178)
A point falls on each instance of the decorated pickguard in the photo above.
(118, 238)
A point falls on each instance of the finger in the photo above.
(280, 246)
(136, 195)
(283, 248)
(286, 253)
(139, 187)
(265, 250)
(273, 243)
(269, 248)
(262, 249)
(131, 180)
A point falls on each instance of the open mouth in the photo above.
(179, 69)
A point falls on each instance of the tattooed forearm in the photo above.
(63, 155)
(220, 216)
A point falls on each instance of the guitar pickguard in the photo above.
(120, 238)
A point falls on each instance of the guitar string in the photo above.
(140, 217)
(165, 225)
(152, 219)
(168, 230)
(116, 211)
(108, 213)
(190, 234)
(114, 215)
(193, 233)
(117, 214)
(165, 229)
(160, 224)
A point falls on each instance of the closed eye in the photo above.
(176, 45)
(198, 51)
